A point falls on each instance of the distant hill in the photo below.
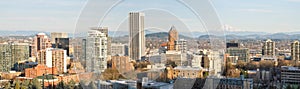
(257, 36)
(164, 35)
(184, 35)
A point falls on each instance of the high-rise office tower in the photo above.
(40, 42)
(19, 52)
(12, 53)
(62, 43)
(136, 35)
(268, 48)
(96, 54)
(5, 57)
(295, 51)
(83, 52)
(105, 31)
(173, 36)
(58, 35)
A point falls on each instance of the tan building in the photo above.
(10, 75)
(184, 72)
(58, 35)
(122, 63)
(173, 36)
(40, 42)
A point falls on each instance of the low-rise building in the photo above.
(122, 64)
(213, 83)
(290, 75)
(39, 70)
(184, 72)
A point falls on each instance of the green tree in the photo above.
(17, 85)
(25, 84)
(241, 64)
(61, 85)
(7, 86)
(36, 84)
(289, 87)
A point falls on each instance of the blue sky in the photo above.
(237, 15)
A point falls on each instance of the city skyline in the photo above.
(142, 44)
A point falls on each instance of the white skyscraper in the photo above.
(96, 51)
(136, 35)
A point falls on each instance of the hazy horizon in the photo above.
(236, 15)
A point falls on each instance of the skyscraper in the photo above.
(40, 42)
(268, 48)
(62, 43)
(136, 35)
(20, 52)
(96, 54)
(5, 57)
(56, 58)
(58, 35)
(105, 31)
(173, 36)
(12, 53)
(295, 51)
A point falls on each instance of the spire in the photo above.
(173, 28)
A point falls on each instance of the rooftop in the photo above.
(289, 68)
(187, 68)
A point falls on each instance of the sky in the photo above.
(67, 15)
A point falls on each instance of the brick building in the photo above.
(39, 70)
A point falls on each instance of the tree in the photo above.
(92, 85)
(71, 84)
(25, 84)
(252, 65)
(36, 84)
(284, 63)
(266, 64)
(241, 64)
(289, 87)
(61, 85)
(17, 85)
(7, 86)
